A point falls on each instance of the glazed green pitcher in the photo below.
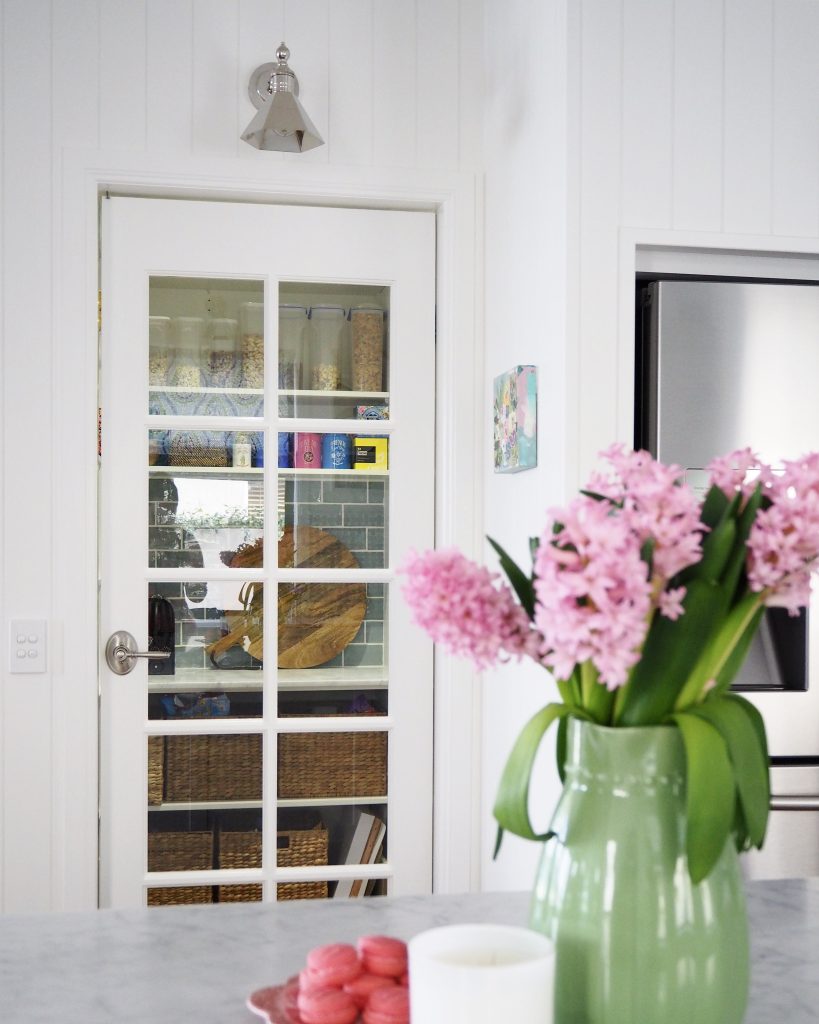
(637, 942)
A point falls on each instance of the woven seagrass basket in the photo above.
(295, 848)
(197, 449)
(199, 768)
(180, 895)
(332, 764)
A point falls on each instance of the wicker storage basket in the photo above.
(182, 895)
(332, 764)
(213, 768)
(239, 893)
(156, 768)
(295, 848)
(197, 449)
(180, 851)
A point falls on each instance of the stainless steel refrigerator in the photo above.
(722, 364)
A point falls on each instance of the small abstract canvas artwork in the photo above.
(516, 420)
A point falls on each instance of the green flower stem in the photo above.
(595, 697)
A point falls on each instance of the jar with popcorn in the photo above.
(187, 340)
(367, 327)
(328, 326)
(222, 354)
(251, 326)
(159, 349)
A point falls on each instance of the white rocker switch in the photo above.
(27, 645)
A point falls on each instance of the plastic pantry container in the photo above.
(367, 327)
(187, 341)
(159, 349)
(328, 325)
(292, 330)
(251, 327)
(222, 353)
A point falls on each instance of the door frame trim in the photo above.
(80, 178)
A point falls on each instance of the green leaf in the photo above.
(521, 583)
(512, 803)
(560, 746)
(750, 766)
(736, 564)
(710, 794)
(670, 652)
(733, 663)
(534, 544)
(714, 507)
(716, 550)
(758, 725)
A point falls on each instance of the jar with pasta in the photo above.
(159, 349)
(328, 325)
(367, 327)
(187, 366)
(251, 319)
(223, 357)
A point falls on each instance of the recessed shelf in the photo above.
(246, 805)
(362, 474)
(173, 389)
(206, 470)
(250, 680)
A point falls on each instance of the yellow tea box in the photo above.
(370, 453)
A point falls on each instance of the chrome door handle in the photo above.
(121, 653)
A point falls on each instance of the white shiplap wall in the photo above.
(389, 83)
(681, 116)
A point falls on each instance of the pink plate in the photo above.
(277, 1004)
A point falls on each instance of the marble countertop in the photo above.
(177, 965)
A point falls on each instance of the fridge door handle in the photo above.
(795, 803)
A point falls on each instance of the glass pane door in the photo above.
(305, 775)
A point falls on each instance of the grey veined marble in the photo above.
(197, 964)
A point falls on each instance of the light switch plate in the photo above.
(27, 645)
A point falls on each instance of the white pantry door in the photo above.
(267, 396)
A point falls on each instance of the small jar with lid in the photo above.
(292, 330)
(367, 328)
(251, 328)
(187, 340)
(328, 326)
(222, 354)
(159, 349)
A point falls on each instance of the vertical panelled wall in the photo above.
(681, 115)
(389, 84)
(692, 115)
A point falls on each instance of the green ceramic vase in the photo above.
(636, 941)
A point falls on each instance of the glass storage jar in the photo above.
(292, 329)
(222, 356)
(251, 321)
(367, 328)
(187, 335)
(328, 325)
(159, 349)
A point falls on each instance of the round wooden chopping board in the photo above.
(316, 620)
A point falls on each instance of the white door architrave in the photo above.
(80, 178)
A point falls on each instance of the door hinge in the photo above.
(99, 311)
(99, 433)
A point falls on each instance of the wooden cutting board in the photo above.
(316, 620)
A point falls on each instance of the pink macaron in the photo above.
(364, 985)
(326, 1006)
(332, 965)
(381, 954)
(388, 1006)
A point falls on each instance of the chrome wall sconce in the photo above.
(281, 122)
